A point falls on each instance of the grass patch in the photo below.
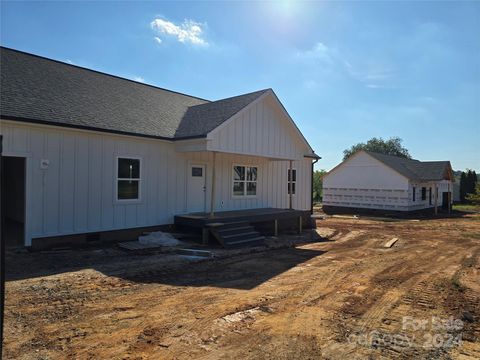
(474, 235)
(466, 208)
(457, 285)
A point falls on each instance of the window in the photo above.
(424, 193)
(430, 196)
(128, 179)
(245, 180)
(414, 193)
(197, 171)
(293, 177)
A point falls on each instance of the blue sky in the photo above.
(345, 71)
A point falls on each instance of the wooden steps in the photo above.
(236, 234)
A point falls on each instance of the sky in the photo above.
(345, 71)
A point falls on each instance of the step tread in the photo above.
(258, 239)
(220, 230)
(241, 234)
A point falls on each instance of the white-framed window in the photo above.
(128, 183)
(244, 180)
(291, 175)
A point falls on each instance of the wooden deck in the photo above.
(199, 220)
(233, 228)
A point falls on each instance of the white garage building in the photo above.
(369, 180)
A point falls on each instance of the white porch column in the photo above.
(212, 191)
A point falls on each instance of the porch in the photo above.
(234, 228)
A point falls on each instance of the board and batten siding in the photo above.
(76, 193)
(261, 129)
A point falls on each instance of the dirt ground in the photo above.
(345, 296)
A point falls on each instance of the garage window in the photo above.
(128, 178)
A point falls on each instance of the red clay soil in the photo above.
(345, 297)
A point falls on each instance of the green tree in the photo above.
(392, 146)
(318, 185)
(463, 186)
(475, 196)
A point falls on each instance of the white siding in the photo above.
(364, 182)
(364, 172)
(261, 129)
(76, 194)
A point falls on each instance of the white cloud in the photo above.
(139, 79)
(318, 52)
(188, 32)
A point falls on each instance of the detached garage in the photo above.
(369, 180)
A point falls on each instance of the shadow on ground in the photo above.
(242, 271)
(239, 272)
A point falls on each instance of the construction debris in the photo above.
(390, 243)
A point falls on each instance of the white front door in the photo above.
(196, 188)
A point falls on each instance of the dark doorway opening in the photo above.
(445, 198)
(13, 200)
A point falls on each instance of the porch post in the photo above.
(290, 186)
(449, 198)
(212, 191)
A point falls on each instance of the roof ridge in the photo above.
(101, 72)
(232, 97)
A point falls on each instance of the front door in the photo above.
(445, 198)
(196, 188)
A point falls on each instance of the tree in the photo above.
(463, 186)
(468, 183)
(392, 146)
(318, 185)
(475, 196)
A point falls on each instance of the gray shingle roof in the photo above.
(206, 117)
(415, 169)
(42, 90)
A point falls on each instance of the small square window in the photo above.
(239, 173)
(251, 188)
(197, 171)
(128, 168)
(238, 188)
(127, 189)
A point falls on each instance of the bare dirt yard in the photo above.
(346, 296)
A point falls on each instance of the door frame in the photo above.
(27, 239)
(204, 164)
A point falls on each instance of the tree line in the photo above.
(468, 185)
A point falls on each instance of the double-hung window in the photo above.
(292, 179)
(128, 178)
(245, 180)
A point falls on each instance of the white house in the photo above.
(369, 180)
(87, 153)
